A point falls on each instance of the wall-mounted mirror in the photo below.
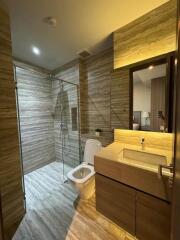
(152, 96)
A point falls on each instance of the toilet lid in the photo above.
(92, 147)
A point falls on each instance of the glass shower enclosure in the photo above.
(66, 124)
(48, 120)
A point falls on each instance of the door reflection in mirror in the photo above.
(149, 98)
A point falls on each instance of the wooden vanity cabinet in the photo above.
(140, 214)
(1, 227)
(116, 201)
(152, 218)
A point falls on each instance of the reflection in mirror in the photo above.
(149, 98)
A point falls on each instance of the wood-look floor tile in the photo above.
(52, 215)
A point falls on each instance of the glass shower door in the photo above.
(67, 130)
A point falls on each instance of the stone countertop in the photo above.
(113, 152)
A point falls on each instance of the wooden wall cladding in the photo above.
(96, 97)
(83, 97)
(151, 35)
(120, 81)
(34, 89)
(158, 98)
(1, 219)
(12, 195)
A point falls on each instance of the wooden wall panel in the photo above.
(150, 35)
(10, 168)
(97, 96)
(120, 106)
(158, 101)
(34, 89)
(1, 219)
(83, 97)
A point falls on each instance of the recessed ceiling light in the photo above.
(151, 67)
(36, 50)
(50, 21)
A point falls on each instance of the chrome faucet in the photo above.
(142, 142)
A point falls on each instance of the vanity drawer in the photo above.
(116, 201)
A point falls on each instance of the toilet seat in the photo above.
(84, 179)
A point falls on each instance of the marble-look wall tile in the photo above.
(95, 96)
(120, 105)
(36, 117)
(151, 35)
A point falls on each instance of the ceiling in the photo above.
(144, 76)
(81, 24)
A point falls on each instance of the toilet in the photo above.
(82, 177)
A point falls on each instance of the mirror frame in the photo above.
(168, 59)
